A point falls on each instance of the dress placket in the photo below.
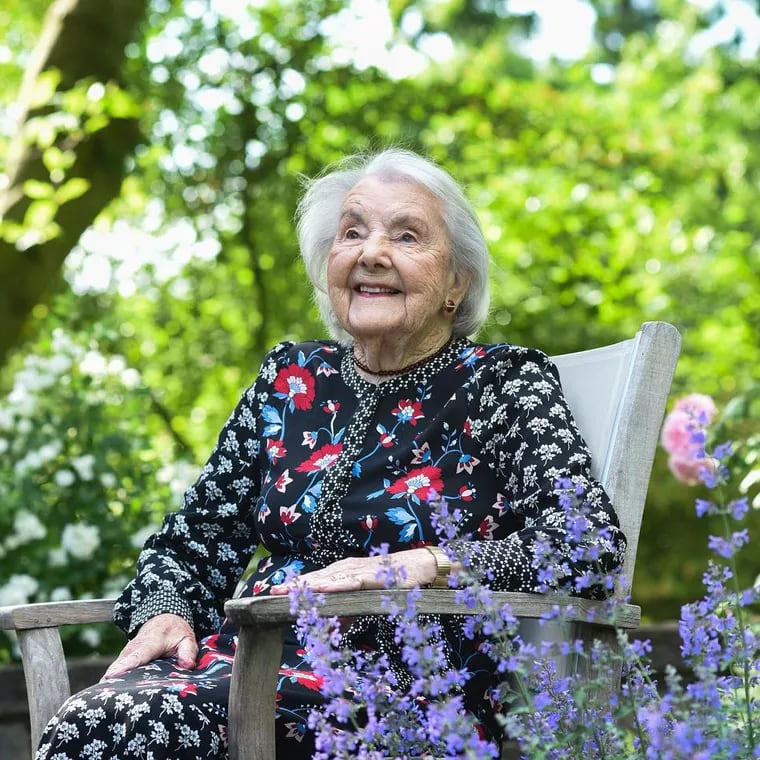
(331, 541)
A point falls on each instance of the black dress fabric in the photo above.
(316, 464)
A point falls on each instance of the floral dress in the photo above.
(316, 464)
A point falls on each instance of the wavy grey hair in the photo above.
(319, 210)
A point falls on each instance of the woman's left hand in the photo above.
(361, 573)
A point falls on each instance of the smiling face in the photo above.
(389, 270)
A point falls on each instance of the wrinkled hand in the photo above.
(162, 636)
(361, 573)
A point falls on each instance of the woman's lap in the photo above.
(161, 712)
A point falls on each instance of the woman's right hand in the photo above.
(162, 636)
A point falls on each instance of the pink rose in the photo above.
(677, 432)
(700, 407)
(690, 416)
(686, 470)
(689, 471)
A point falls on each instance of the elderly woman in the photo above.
(337, 447)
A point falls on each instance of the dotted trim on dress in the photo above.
(330, 538)
(158, 603)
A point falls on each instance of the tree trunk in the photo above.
(81, 39)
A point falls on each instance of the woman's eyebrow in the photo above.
(406, 219)
(350, 215)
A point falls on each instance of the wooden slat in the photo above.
(39, 640)
(52, 614)
(47, 680)
(270, 610)
(252, 692)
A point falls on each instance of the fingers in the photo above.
(187, 652)
(162, 636)
(324, 581)
(128, 659)
(412, 567)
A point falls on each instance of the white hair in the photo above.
(319, 211)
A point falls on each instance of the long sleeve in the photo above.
(532, 442)
(193, 563)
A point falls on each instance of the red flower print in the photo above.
(275, 450)
(288, 515)
(408, 411)
(470, 356)
(283, 481)
(368, 522)
(500, 505)
(467, 428)
(305, 678)
(259, 587)
(487, 527)
(211, 654)
(386, 439)
(322, 458)
(331, 407)
(468, 492)
(423, 483)
(297, 384)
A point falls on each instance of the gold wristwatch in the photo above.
(442, 567)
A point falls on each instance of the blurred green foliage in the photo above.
(612, 190)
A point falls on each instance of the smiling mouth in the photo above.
(376, 290)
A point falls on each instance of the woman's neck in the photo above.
(376, 360)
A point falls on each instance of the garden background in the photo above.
(150, 155)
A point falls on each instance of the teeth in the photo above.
(370, 289)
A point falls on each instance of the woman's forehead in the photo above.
(394, 194)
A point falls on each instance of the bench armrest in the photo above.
(263, 622)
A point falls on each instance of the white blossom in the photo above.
(32, 379)
(59, 364)
(94, 363)
(18, 589)
(138, 538)
(116, 365)
(91, 636)
(179, 475)
(49, 451)
(23, 402)
(130, 378)
(57, 557)
(62, 343)
(60, 594)
(64, 478)
(108, 480)
(80, 540)
(84, 466)
(26, 527)
(31, 461)
(6, 418)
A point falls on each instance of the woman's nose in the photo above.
(375, 251)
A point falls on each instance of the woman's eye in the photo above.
(351, 234)
(408, 237)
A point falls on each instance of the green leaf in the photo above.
(38, 190)
(44, 88)
(71, 189)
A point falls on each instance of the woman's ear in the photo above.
(458, 287)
